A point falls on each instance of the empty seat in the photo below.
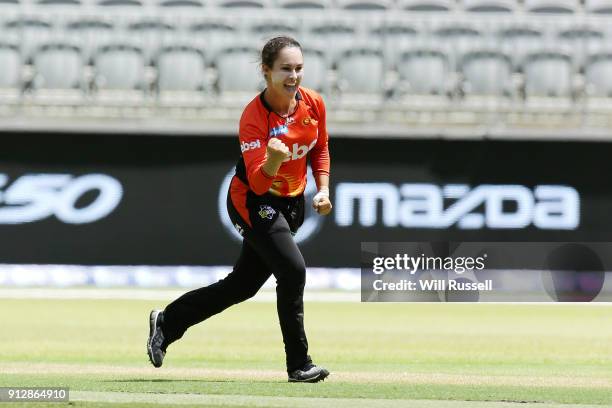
(458, 38)
(119, 67)
(361, 70)
(10, 61)
(244, 4)
(424, 71)
(182, 3)
(263, 31)
(59, 73)
(120, 3)
(213, 35)
(489, 6)
(316, 70)
(581, 41)
(519, 40)
(598, 6)
(335, 37)
(303, 4)
(597, 71)
(487, 72)
(425, 5)
(364, 5)
(394, 37)
(59, 2)
(90, 34)
(181, 74)
(150, 35)
(239, 77)
(548, 73)
(552, 6)
(30, 32)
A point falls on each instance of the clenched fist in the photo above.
(321, 202)
(277, 151)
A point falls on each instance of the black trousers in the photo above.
(267, 248)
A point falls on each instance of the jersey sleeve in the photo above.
(319, 155)
(253, 142)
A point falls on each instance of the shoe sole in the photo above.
(321, 377)
(152, 329)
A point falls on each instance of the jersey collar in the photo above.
(298, 97)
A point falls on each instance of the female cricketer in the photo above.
(279, 130)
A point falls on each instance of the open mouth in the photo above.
(291, 88)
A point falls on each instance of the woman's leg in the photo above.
(247, 277)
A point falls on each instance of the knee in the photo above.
(293, 273)
(247, 293)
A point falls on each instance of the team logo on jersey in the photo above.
(265, 211)
(306, 121)
(279, 130)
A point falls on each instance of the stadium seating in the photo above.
(358, 53)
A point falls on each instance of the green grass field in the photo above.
(380, 355)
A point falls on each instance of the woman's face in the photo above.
(286, 74)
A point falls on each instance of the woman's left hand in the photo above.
(321, 203)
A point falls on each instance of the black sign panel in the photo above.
(155, 200)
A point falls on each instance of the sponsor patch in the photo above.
(245, 146)
(279, 130)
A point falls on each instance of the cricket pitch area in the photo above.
(380, 355)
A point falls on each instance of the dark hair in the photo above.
(270, 51)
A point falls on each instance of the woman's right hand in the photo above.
(277, 151)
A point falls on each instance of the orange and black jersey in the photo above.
(304, 132)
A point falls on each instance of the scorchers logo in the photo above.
(312, 221)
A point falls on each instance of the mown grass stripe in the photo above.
(297, 402)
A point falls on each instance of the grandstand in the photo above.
(396, 67)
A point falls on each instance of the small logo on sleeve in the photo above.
(265, 211)
(244, 146)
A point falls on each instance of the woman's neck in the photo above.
(280, 104)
